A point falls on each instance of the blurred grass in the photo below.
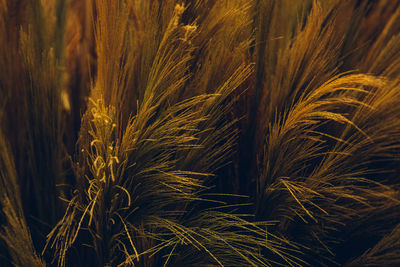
(199, 133)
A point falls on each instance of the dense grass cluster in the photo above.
(199, 133)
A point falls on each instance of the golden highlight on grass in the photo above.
(199, 133)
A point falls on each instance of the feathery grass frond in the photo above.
(385, 252)
(199, 133)
(14, 231)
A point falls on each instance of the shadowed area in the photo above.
(199, 133)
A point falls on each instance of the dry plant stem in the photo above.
(199, 133)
